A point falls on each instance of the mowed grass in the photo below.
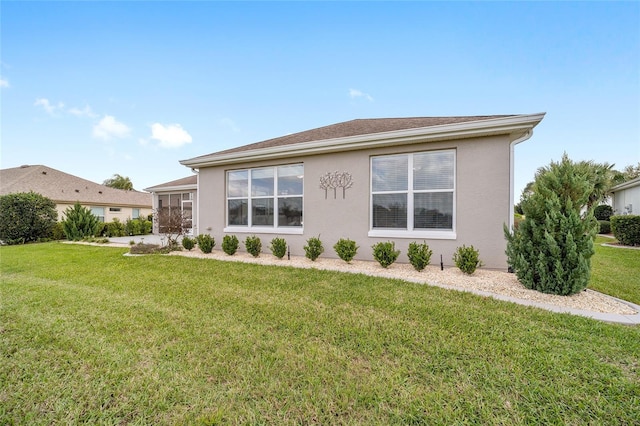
(88, 336)
(616, 271)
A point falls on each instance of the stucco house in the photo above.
(626, 197)
(444, 180)
(180, 194)
(65, 190)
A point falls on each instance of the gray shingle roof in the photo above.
(356, 128)
(186, 181)
(64, 188)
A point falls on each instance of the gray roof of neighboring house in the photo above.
(355, 128)
(64, 188)
(190, 181)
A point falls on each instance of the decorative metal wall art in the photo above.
(335, 180)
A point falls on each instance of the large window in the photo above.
(413, 193)
(267, 197)
(98, 212)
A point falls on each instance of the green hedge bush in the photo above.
(346, 249)
(230, 244)
(419, 255)
(253, 245)
(26, 217)
(206, 243)
(385, 253)
(467, 259)
(139, 226)
(278, 247)
(603, 212)
(188, 242)
(604, 227)
(626, 229)
(314, 248)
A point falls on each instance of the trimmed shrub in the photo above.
(206, 243)
(26, 217)
(346, 249)
(114, 229)
(385, 253)
(314, 248)
(253, 245)
(139, 226)
(278, 247)
(79, 223)
(57, 233)
(604, 227)
(603, 212)
(188, 243)
(467, 259)
(626, 229)
(230, 244)
(419, 255)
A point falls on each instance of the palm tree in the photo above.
(119, 182)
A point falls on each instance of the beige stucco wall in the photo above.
(482, 201)
(124, 213)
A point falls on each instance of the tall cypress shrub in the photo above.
(551, 249)
(79, 223)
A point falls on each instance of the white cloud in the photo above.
(355, 93)
(4, 82)
(84, 112)
(170, 136)
(109, 128)
(50, 108)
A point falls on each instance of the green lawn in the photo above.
(616, 271)
(90, 336)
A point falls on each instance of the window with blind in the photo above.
(413, 193)
(265, 198)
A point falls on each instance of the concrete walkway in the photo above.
(607, 317)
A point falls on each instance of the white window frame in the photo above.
(410, 232)
(249, 228)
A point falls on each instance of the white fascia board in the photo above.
(516, 125)
(171, 188)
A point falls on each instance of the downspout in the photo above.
(512, 145)
(196, 228)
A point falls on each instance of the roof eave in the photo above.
(513, 125)
(626, 185)
(154, 189)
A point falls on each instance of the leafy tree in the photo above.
(629, 172)
(25, 217)
(80, 223)
(119, 182)
(551, 249)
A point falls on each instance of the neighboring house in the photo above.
(178, 194)
(447, 181)
(626, 197)
(65, 190)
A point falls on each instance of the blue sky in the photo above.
(97, 88)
